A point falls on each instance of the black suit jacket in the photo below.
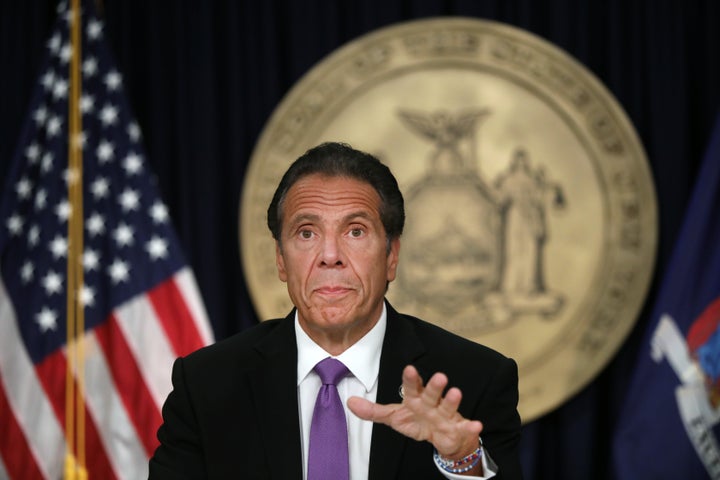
(233, 411)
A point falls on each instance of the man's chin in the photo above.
(333, 315)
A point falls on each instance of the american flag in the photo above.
(141, 304)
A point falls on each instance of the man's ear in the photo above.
(393, 259)
(280, 262)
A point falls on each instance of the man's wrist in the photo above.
(460, 465)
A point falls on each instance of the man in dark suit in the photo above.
(244, 407)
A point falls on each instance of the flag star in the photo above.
(133, 131)
(87, 296)
(95, 224)
(33, 235)
(58, 247)
(91, 260)
(90, 67)
(157, 247)
(23, 188)
(113, 80)
(132, 164)
(123, 235)
(65, 53)
(108, 115)
(129, 199)
(87, 103)
(94, 29)
(48, 80)
(60, 89)
(53, 126)
(40, 115)
(63, 211)
(27, 272)
(46, 319)
(52, 283)
(40, 199)
(119, 271)
(159, 212)
(47, 162)
(105, 151)
(54, 43)
(32, 152)
(100, 188)
(14, 224)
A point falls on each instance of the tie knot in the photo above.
(331, 371)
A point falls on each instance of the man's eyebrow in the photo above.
(359, 214)
(304, 217)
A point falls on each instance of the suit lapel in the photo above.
(401, 347)
(274, 386)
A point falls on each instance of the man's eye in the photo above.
(306, 234)
(356, 232)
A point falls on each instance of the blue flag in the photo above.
(671, 419)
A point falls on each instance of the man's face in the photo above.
(334, 256)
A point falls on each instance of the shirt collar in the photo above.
(362, 358)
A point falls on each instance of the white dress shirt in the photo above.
(363, 361)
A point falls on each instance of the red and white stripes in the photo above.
(128, 361)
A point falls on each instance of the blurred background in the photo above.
(204, 77)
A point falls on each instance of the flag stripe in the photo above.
(175, 318)
(3, 470)
(14, 449)
(143, 412)
(51, 373)
(185, 281)
(25, 396)
(124, 448)
(149, 345)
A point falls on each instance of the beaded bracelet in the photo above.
(459, 466)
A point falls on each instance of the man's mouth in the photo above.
(332, 290)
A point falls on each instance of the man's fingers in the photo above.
(432, 394)
(474, 426)
(412, 384)
(367, 410)
(449, 405)
(361, 407)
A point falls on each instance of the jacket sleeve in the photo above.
(501, 421)
(180, 454)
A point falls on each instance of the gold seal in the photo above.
(531, 212)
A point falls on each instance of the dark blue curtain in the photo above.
(204, 77)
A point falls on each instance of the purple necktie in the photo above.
(328, 451)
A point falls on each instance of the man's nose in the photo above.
(331, 254)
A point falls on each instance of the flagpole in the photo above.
(75, 423)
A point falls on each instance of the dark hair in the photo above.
(341, 160)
